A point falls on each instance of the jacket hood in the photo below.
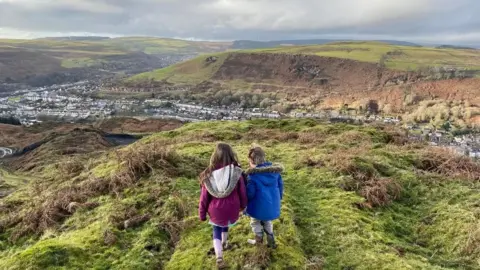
(266, 173)
(223, 181)
(266, 168)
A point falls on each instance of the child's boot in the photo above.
(221, 264)
(217, 245)
(225, 244)
(271, 241)
(259, 239)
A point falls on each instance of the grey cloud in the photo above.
(249, 19)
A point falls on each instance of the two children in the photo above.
(224, 195)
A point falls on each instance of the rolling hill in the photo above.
(20, 60)
(399, 78)
(356, 197)
(250, 44)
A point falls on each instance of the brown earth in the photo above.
(19, 137)
(132, 125)
(330, 83)
(17, 64)
(77, 141)
(449, 90)
(313, 72)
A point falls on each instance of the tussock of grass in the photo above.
(382, 203)
(444, 162)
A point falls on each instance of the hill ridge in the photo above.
(356, 196)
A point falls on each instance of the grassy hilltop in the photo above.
(357, 197)
(69, 50)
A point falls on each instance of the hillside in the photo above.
(400, 79)
(250, 44)
(20, 60)
(20, 137)
(357, 197)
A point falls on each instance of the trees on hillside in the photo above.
(372, 107)
(10, 121)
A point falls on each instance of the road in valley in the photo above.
(4, 151)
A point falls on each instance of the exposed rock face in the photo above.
(311, 71)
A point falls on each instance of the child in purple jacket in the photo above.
(223, 196)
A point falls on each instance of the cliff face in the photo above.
(310, 71)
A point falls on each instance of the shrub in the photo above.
(445, 162)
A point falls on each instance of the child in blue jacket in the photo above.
(265, 192)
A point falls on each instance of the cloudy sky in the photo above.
(436, 21)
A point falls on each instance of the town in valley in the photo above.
(80, 101)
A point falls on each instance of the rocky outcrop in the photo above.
(311, 71)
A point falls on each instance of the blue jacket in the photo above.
(264, 191)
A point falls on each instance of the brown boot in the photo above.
(221, 264)
(258, 240)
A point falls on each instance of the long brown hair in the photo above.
(223, 155)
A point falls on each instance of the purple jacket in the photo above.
(223, 195)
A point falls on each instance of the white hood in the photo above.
(223, 181)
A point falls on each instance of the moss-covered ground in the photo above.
(357, 197)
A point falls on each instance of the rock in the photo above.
(136, 221)
(211, 59)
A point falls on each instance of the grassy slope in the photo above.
(190, 72)
(432, 225)
(194, 71)
(10, 182)
(411, 57)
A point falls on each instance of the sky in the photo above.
(428, 21)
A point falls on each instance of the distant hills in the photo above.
(455, 47)
(45, 61)
(76, 38)
(73, 58)
(250, 44)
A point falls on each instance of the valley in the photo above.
(48, 61)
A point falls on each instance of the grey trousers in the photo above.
(260, 226)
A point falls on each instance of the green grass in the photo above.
(75, 54)
(79, 62)
(410, 57)
(15, 99)
(191, 72)
(119, 45)
(432, 224)
(12, 180)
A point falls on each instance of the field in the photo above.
(147, 45)
(397, 57)
(357, 197)
(22, 59)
